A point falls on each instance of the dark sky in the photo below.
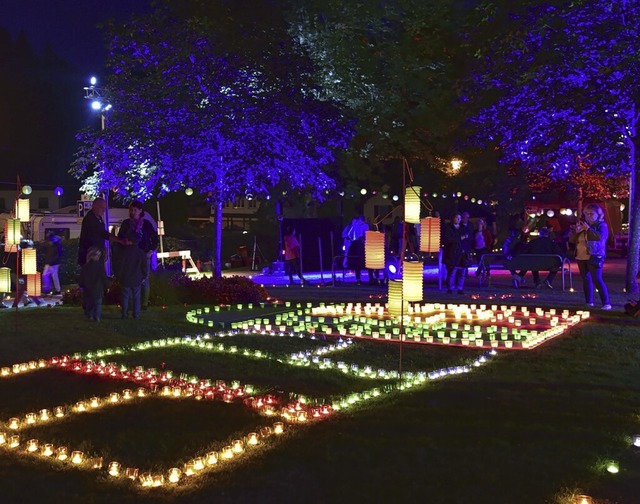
(69, 26)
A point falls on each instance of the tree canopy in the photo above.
(189, 113)
(563, 80)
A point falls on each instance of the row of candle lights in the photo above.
(428, 323)
(115, 469)
(165, 384)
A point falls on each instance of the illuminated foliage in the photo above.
(562, 78)
(189, 113)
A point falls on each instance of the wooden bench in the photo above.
(528, 262)
(184, 255)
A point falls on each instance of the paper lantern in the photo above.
(29, 261)
(396, 305)
(34, 286)
(374, 250)
(412, 204)
(12, 232)
(412, 279)
(5, 280)
(21, 209)
(430, 234)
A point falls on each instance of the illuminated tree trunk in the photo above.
(633, 255)
(217, 240)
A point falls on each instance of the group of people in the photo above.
(133, 247)
(588, 239)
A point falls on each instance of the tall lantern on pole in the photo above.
(29, 261)
(5, 280)
(412, 280)
(34, 285)
(430, 234)
(397, 306)
(374, 254)
(22, 209)
(412, 204)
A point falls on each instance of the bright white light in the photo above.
(96, 105)
(93, 80)
(395, 197)
(363, 191)
(456, 164)
(188, 191)
(108, 107)
(26, 189)
(550, 213)
(569, 211)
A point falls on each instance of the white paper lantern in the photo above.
(34, 285)
(29, 262)
(397, 306)
(412, 204)
(5, 280)
(22, 209)
(374, 250)
(430, 234)
(12, 232)
(412, 280)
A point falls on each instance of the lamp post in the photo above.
(100, 103)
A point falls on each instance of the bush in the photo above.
(170, 288)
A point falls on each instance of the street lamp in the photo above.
(100, 103)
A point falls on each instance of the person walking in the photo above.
(454, 256)
(481, 240)
(146, 239)
(590, 238)
(356, 233)
(52, 256)
(132, 269)
(93, 282)
(292, 254)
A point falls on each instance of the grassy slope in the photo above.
(528, 427)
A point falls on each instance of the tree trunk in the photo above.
(217, 240)
(631, 284)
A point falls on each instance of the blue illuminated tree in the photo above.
(563, 77)
(188, 113)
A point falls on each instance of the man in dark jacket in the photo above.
(132, 268)
(93, 232)
(543, 245)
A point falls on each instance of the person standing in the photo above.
(590, 237)
(454, 256)
(147, 241)
(93, 281)
(52, 257)
(292, 254)
(93, 232)
(131, 271)
(356, 233)
(481, 240)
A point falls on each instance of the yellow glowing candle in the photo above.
(252, 438)
(94, 402)
(131, 473)
(46, 450)
(44, 415)
(14, 423)
(77, 457)
(141, 392)
(212, 458)
(238, 447)
(583, 499)
(81, 406)
(58, 411)
(146, 479)
(198, 464)
(114, 397)
(174, 475)
(127, 394)
(32, 445)
(278, 427)
(227, 452)
(114, 469)
(3, 438)
(14, 441)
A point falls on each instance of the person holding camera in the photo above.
(590, 238)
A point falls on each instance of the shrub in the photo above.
(225, 290)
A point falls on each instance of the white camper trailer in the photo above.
(67, 225)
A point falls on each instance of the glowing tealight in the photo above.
(14, 441)
(174, 475)
(613, 467)
(77, 457)
(278, 427)
(62, 453)
(114, 469)
(14, 423)
(32, 445)
(46, 450)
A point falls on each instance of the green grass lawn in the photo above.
(533, 426)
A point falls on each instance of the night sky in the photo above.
(69, 26)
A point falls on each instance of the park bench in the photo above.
(528, 262)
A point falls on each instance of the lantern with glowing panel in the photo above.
(374, 254)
